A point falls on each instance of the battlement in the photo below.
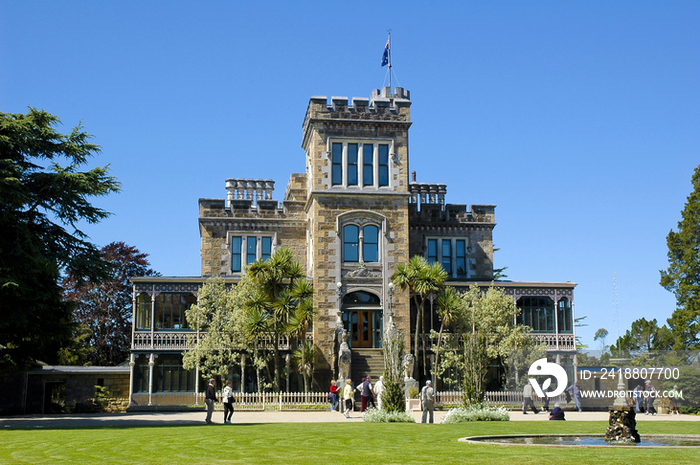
(382, 106)
(427, 204)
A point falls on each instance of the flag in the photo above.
(385, 57)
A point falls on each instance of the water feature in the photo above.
(584, 440)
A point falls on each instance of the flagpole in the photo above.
(389, 61)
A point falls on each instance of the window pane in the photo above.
(447, 255)
(352, 164)
(143, 311)
(337, 171)
(266, 247)
(370, 245)
(432, 250)
(236, 253)
(461, 253)
(252, 246)
(383, 165)
(368, 165)
(351, 243)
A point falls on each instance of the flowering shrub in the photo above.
(476, 412)
(382, 416)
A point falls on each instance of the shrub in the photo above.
(382, 416)
(476, 412)
(413, 393)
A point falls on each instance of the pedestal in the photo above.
(623, 426)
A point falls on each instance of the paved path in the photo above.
(197, 418)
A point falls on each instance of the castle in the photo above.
(350, 219)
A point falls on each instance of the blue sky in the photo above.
(579, 120)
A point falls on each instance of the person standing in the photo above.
(379, 391)
(210, 398)
(365, 389)
(576, 392)
(333, 396)
(637, 398)
(528, 392)
(228, 402)
(347, 397)
(674, 401)
(427, 400)
(649, 398)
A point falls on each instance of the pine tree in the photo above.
(683, 274)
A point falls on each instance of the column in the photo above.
(151, 363)
(132, 363)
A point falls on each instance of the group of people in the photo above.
(227, 400)
(368, 393)
(644, 398)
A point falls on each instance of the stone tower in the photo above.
(357, 210)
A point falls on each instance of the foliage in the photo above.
(373, 415)
(644, 336)
(422, 279)
(485, 333)
(282, 294)
(78, 351)
(393, 399)
(219, 313)
(104, 307)
(476, 412)
(413, 393)
(600, 335)
(682, 277)
(40, 214)
(303, 361)
(449, 309)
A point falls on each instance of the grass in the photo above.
(324, 443)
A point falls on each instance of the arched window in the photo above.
(360, 243)
(351, 243)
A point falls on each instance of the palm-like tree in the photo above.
(422, 280)
(450, 308)
(276, 278)
(300, 298)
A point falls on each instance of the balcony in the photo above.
(562, 342)
(184, 340)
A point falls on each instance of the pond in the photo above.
(584, 440)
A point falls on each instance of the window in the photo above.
(383, 165)
(461, 258)
(361, 244)
(451, 253)
(447, 256)
(170, 376)
(236, 242)
(143, 311)
(354, 164)
(368, 165)
(170, 310)
(252, 249)
(370, 244)
(351, 243)
(256, 247)
(564, 316)
(266, 248)
(537, 313)
(337, 164)
(432, 251)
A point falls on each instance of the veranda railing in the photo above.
(314, 400)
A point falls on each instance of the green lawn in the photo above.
(325, 443)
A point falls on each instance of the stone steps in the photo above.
(366, 362)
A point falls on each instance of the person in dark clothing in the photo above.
(210, 398)
(557, 413)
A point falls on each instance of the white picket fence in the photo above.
(313, 400)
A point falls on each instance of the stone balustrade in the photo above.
(252, 190)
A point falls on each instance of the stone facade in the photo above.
(350, 219)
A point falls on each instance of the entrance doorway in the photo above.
(362, 317)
